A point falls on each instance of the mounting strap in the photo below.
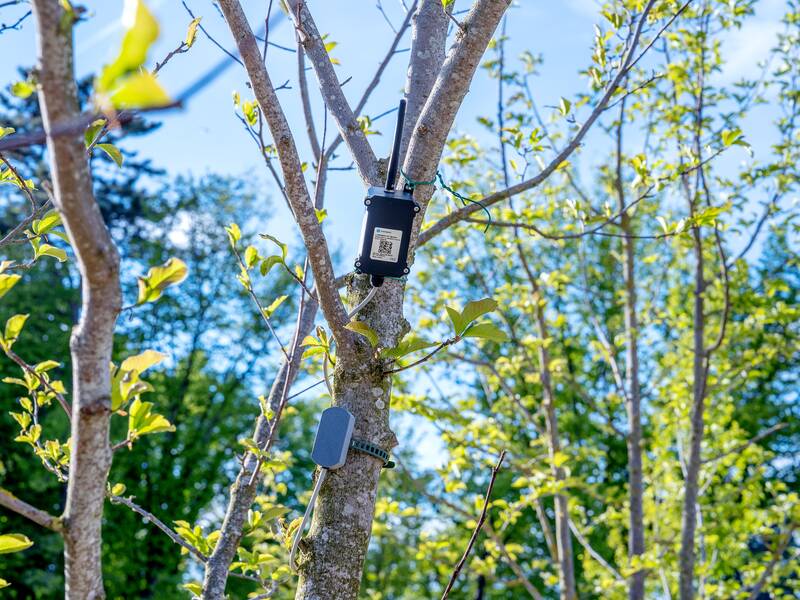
(372, 450)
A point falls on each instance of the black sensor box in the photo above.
(386, 232)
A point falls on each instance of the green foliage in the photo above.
(152, 285)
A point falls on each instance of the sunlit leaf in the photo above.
(112, 152)
(363, 329)
(152, 285)
(191, 33)
(13, 542)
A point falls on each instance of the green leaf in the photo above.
(46, 365)
(269, 262)
(234, 233)
(92, 131)
(274, 305)
(455, 319)
(50, 250)
(476, 309)
(279, 243)
(50, 219)
(141, 362)
(7, 282)
(14, 542)
(250, 256)
(118, 489)
(564, 106)
(407, 346)
(731, 136)
(3, 583)
(191, 33)
(14, 328)
(142, 421)
(298, 270)
(112, 152)
(194, 587)
(321, 213)
(141, 31)
(486, 331)
(4, 131)
(362, 328)
(141, 90)
(152, 286)
(23, 89)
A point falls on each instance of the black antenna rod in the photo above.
(394, 159)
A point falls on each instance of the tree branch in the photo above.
(331, 89)
(465, 211)
(40, 517)
(92, 339)
(478, 526)
(296, 190)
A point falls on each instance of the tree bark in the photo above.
(92, 339)
(633, 395)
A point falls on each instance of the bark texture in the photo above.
(92, 338)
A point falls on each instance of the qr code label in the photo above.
(386, 244)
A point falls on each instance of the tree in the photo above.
(625, 477)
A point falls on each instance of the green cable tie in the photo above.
(464, 199)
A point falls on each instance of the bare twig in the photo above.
(40, 517)
(478, 526)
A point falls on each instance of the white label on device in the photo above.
(386, 244)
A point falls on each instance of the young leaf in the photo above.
(269, 262)
(13, 328)
(476, 309)
(50, 250)
(274, 305)
(141, 362)
(362, 328)
(143, 421)
(7, 282)
(50, 219)
(152, 286)
(564, 106)
(113, 152)
(407, 346)
(191, 33)
(141, 32)
(140, 90)
(250, 256)
(486, 331)
(234, 233)
(279, 243)
(23, 89)
(14, 542)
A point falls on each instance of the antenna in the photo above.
(394, 159)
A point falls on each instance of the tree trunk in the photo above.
(566, 565)
(689, 524)
(633, 395)
(331, 557)
(92, 339)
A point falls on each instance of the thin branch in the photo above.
(481, 519)
(426, 358)
(776, 557)
(331, 89)
(29, 369)
(753, 440)
(593, 553)
(625, 67)
(40, 517)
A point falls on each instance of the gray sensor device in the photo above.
(333, 437)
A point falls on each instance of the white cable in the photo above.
(309, 509)
(363, 303)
